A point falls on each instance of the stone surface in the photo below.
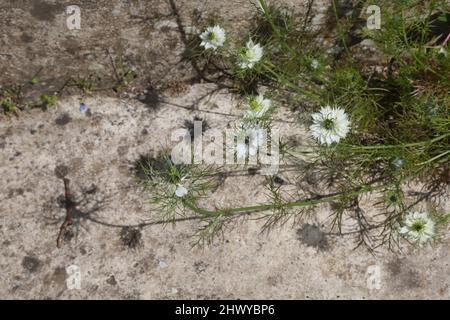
(116, 255)
(96, 153)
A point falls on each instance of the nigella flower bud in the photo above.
(397, 163)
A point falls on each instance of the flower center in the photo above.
(211, 36)
(418, 226)
(328, 124)
(249, 54)
(393, 198)
(254, 105)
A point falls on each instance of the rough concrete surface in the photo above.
(96, 151)
(294, 262)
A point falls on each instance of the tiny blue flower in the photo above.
(83, 108)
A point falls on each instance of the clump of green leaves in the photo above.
(124, 80)
(175, 187)
(86, 84)
(20, 96)
(11, 99)
(124, 74)
(48, 101)
(7, 103)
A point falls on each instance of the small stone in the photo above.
(319, 19)
(163, 264)
(191, 30)
(168, 24)
(368, 43)
(173, 291)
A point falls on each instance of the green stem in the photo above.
(344, 43)
(275, 29)
(283, 80)
(408, 145)
(270, 206)
(435, 158)
(381, 147)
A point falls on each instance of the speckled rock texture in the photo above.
(117, 244)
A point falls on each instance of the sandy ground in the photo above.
(144, 33)
(97, 150)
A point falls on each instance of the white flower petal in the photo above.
(181, 191)
(251, 55)
(422, 235)
(339, 125)
(257, 107)
(213, 37)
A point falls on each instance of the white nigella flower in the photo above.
(442, 52)
(213, 37)
(315, 64)
(181, 191)
(418, 227)
(251, 55)
(330, 125)
(257, 107)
